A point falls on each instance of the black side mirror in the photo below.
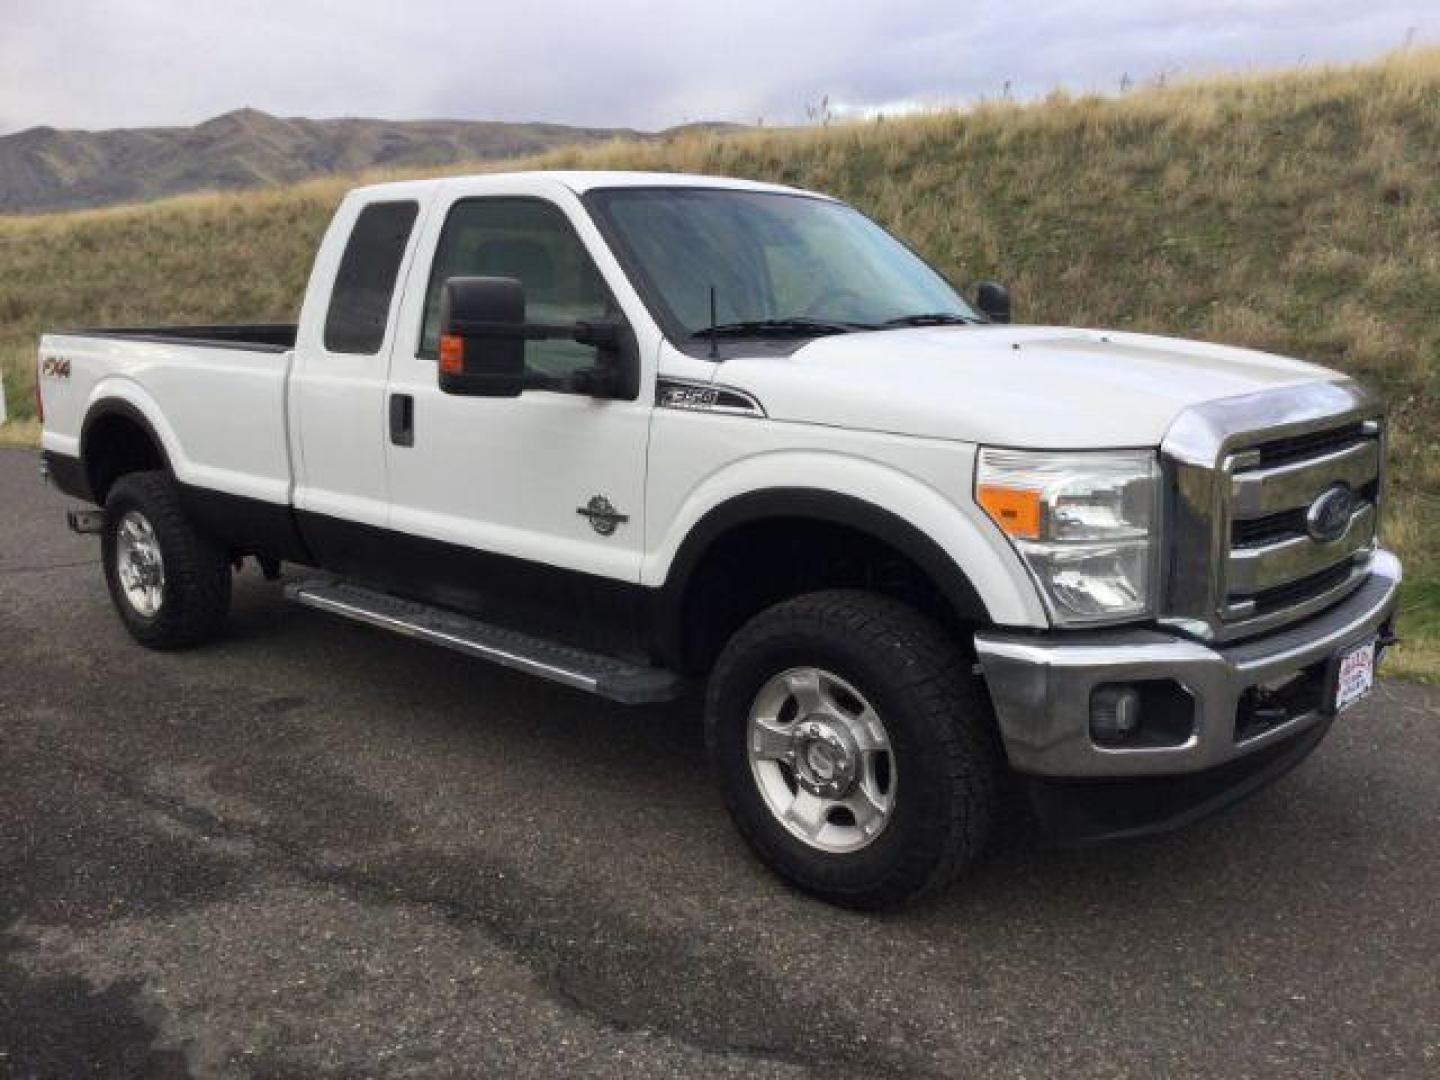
(482, 345)
(993, 300)
(482, 342)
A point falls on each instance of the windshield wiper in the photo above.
(793, 327)
(931, 318)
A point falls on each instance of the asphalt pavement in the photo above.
(314, 849)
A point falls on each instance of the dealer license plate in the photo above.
(1356, 675)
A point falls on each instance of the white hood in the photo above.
(1036, 386)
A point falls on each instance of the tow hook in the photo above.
(85, 522)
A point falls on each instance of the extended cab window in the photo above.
(532, 241)
(360, 300)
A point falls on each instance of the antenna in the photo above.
(714, 342)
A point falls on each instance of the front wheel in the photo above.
(854, 747)
(169, 583)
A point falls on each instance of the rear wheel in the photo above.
(169, 583)
(854, 747)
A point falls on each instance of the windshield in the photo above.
(771, 259)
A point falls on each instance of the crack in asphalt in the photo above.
(566, 993)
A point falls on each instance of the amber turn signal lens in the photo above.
(452, 355)
(1015, 510)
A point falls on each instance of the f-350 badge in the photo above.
(604, 518)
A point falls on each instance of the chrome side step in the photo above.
(617, 680)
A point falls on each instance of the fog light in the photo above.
(1114, 714)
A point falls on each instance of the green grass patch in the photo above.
(20, 434)
(1418, 655)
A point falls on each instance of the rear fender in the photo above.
(120, 396)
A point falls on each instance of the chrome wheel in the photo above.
(821, 758)
(139, 564)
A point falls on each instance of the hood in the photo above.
(1023, 386)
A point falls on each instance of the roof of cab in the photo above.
(581, 182)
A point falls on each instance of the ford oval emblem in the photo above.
(1329, 515)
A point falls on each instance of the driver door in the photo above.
(488, 492)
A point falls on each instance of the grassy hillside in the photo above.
(1298, 213)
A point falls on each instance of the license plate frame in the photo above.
(1352, 674)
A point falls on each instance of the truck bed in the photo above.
(214, 396)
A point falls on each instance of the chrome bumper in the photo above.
(1041, 685)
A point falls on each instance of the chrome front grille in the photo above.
(1246, 549)
(1308, 445)
(1272, 552)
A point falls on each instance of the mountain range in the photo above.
(45, 169)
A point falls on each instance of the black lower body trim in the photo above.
(68, 475)
(581, 610)
(1075, 812)
(244, 525)
(247, 526)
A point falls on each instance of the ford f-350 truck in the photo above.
(630, 432)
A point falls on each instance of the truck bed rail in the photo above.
(254, 337)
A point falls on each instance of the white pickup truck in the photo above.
(628, 432)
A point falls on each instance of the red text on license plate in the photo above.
(1356, 676)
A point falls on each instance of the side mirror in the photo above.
(482, 345)
(993, 300)
(482, 342)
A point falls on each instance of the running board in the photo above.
(617, 680)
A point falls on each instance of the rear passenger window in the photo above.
(360, 300)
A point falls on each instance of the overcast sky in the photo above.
(635, 63)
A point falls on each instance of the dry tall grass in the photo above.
(1296, 212)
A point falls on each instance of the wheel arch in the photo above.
(118, 437)
(822, 520)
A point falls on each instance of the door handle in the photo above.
(402, 419)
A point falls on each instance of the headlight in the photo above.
(1082, 522)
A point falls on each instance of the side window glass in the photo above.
(365, 282)
(532, 241)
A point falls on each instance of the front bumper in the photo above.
(1041, 686)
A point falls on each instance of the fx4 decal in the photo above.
(55, 367)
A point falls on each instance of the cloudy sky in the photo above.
(635, 63)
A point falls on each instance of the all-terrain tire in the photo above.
(947, 760)
(195, 596)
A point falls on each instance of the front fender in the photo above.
(953, 543)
